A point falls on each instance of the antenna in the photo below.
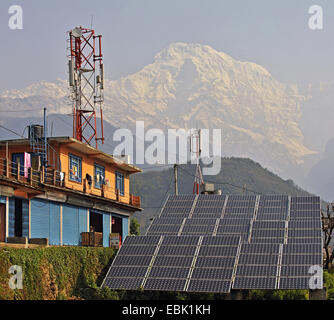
(85, 60)
(196, 149)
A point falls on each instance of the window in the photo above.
(120, 183)
(17, 158)
(99, 176)
(75, 168)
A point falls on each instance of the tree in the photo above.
(134, 227)
(328, 227)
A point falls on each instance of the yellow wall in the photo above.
(87, 167)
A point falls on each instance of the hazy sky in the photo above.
(272, 33)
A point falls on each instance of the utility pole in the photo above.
(175, 180)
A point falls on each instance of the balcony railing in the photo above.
(48, 176)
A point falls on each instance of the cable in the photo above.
(224, 183)
(20, 110)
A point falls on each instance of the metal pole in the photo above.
(175, 180)
(45, 140)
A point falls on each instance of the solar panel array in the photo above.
(215, 243)
(175, 263)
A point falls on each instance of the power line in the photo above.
(224, 183)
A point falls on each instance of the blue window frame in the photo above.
(99, 176)
(17, 158)
(120, 182)
(75, 173)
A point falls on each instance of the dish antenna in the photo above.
(76, 32)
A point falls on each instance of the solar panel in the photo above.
(197, 229)
(137, 250)
(296, 271)
(164, 228)
(121, 260)
(177, 250)
(271, 217)
(141, 240)
(167, 221)
(256, 271)
(124, 283)
(119, 272)
(276, 210)
(304, 240)
(169, 272)
(212, 273)
(200, 222)
(205, 210)
(294, 283)
(254, 283)
(258, 259)
(268, 225)
(176, 210)
(218, 286)
(249, 211)
(268, 233)
(212, 251)
(305, 200)
(304, 233)
(182, 197)
(197, 261)
(214, 262)
(302, 248)
(267, 240)
(301, 259)
(221, 240)
(233, 229)
(307, 224)
(170, 261)
(184, 240)
(248, 248)
(165, 284)
(183, 203)
(226, 221)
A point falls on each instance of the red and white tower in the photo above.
(86, 80)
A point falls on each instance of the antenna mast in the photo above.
(196, 149)
(86, 87)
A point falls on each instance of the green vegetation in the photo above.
(153, 186)
(134, 227)
(56, 272)
(77, 273)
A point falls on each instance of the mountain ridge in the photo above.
(193, 85)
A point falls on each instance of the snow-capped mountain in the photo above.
(193, 85)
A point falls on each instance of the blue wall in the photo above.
(125, 227)
(54, 238)
(71, 235)
(11, 218)
(106, 229)
(45, 221)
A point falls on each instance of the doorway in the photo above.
(117, 225)
(18, 218)
(2, 222)
(95, 222)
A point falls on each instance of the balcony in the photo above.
(12, 171)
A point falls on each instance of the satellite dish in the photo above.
(76, 32)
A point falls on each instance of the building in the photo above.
(64, 191)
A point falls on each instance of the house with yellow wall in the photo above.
(79, 190)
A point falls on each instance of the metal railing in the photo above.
(49, 176)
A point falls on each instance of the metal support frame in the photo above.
(86, 87)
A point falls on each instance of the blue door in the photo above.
(71, 236)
